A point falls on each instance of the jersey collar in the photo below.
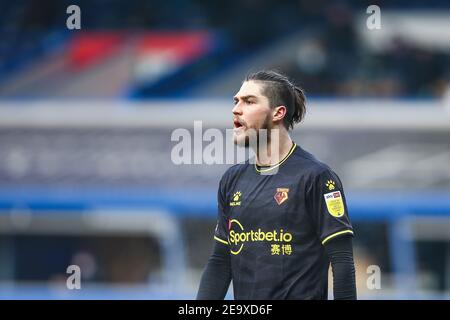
(294, 145)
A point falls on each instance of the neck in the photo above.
(275, 150)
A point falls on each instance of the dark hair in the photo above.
(282, 92)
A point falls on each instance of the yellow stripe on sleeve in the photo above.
(220, 240)
(335, 235)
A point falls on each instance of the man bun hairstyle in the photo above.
(282, 92)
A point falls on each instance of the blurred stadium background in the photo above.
(86, 118)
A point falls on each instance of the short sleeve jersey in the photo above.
(276, 221)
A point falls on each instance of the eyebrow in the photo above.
(245, 97)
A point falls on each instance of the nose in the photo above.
(237, 109)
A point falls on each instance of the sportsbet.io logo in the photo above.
(238, 237)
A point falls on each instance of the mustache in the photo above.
(241, 121)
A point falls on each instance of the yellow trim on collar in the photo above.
(279, 163)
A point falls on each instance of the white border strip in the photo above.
(321, 114)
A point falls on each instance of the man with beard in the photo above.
(280, 222)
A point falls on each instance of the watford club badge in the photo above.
(281, 195)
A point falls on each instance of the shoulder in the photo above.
(233, 173)
(315, 174)
(310, 166)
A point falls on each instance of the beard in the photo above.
(254, 137)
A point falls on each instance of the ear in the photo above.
(278, 113)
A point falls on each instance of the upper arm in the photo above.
(327, 206)
(221, 230)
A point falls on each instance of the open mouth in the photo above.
(237, 124)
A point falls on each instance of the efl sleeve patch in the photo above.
(327, 205)
(335, 204)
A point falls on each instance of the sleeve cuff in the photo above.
(220, 240)
(336, 234)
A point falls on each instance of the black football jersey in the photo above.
(275, 221)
